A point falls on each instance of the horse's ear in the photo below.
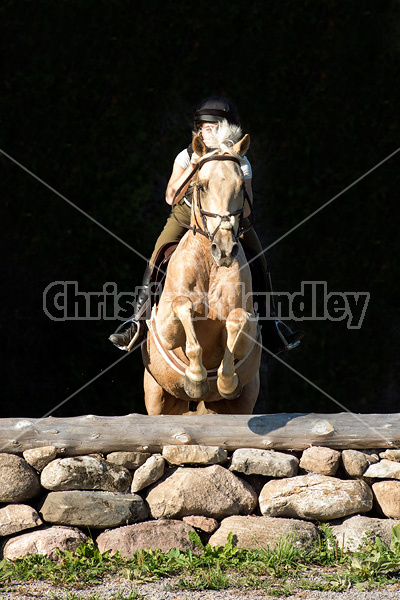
(199, 146)
(242, 146)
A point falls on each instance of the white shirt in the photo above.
(183, 160)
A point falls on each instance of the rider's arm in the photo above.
(178, 176)
(249, 191)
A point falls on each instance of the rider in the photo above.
(208, 116)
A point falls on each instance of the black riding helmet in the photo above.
(213, 110)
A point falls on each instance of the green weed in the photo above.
(212, 579)
(377, 558)
(275, 569)
(85, 565)
(327, 550)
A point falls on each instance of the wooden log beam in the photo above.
(296, 431)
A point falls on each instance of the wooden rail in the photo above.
(291, 431)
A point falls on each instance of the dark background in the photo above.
(97, 99)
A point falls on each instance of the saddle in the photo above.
(158, 272)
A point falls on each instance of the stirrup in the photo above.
(123, 325)
(139, 331)
(287, 346)
(137, 334)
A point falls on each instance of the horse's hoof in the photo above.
(196, 389)
(230, 395)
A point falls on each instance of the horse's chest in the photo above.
(225, 295)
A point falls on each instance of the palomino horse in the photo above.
(203, 350)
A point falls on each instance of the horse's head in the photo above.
(220, 198)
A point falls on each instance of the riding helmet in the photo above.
(213, 110)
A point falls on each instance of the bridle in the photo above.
(196, 228)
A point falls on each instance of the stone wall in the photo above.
(132, 500)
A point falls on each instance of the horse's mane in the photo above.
(225, 138)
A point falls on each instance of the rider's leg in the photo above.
(279, 336)
(135, 330)
(173, 231)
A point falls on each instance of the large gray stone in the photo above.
(387, 497)
(252, 461)
(315, 497)
(97, 510)
(85, 473)
(18, 481)
(17, 517)
(149, 535)
(194, 454)
(44, 541)
(353, 532)
(264, 532)
(150, 472)
(320, 460)
(209, 491)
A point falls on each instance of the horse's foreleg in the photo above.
(241, 335)
(196, 383)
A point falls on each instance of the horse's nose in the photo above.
(224, 256)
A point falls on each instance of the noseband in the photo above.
(196, 228)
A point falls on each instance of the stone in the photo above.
(205, 524)
(150, 472)
(391, 454)
(97, 510)
(194, 454)
(17, 517)
(19, 482)
(355, 462)
(387, 497)
(373, 456)
(163, 534)
(129, 460)
(353, 532)
(38, 458)
(85, 473)
(385, 469)
(208, 491)
(252, 461)
(44, 541)
(264, 532)
(315, 497)
(320, 460)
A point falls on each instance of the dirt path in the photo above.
(111, 587)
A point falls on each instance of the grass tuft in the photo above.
(278, 571)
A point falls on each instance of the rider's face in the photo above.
(208, 131)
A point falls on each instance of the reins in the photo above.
(196, 228)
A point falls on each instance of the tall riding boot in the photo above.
(133, 335)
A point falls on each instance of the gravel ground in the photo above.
(158, 590)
